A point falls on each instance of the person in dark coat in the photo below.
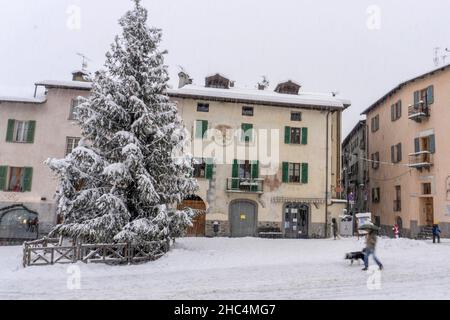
(371, 243)
(436, 233)
(335, 228)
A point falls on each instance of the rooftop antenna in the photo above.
(436, 56)
(85, 60)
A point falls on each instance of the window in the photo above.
(375, 123)
(296, 116)
(375, 195)
(398, 199)
(203, 168)
(295, 172)
(295, 135)
(425, 144)
(202, 107)
(247, 132)
(396, 153)
(201, 126)
(426, 188)
(20, 131)
(15, 179)
(71, 143)
(73, 108)
(424, 96)
(396, 110)
(375, 160)
(247, 111)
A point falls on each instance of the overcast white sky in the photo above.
(325, 45)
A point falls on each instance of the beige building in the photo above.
(268, 162)
(407, 140)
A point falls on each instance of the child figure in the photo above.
(396, 231)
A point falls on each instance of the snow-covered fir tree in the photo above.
(123, 182)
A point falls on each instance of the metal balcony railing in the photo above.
(422, 159)
(418, 111)
(245, 185)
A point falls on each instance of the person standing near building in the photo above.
(396, 231)
(334, 226)
(436, 233)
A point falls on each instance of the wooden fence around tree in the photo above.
(50, 251)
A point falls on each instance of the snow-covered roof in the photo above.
(265, 97)
(37, 100)
(81, 85)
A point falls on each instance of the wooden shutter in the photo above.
(287, 135)
(430, 95)
(416, 98)
(209, 169)
(255, 169)
(247, 134)
(304, 173)
(27, 179)
(235, 174)
(10, 130)
(304, 135)
(399, 152)
(31, 130)
(393, 154)
(3, 175)
(432, 143)
(399, 110)
(417, 145)
(204, 128)
(285, 172)
(393, 112)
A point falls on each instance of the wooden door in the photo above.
(199, 221)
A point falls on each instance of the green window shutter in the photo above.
(416, 98)
(3, 174)
(304, 173)
(285, 172)
(204, 128)
(287, 135)
(235, 175)
(27, 179)
(304, 135)
(247, 132)
(416, 145)
(199, 129)
(432, 143)
(393, 154)
(10, 130)
(255, 169)
(31, 130)
(209, 170)
(393, 112)
(430, 95)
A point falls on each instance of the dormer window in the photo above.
(288, 87)
(217, 81)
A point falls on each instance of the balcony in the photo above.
(397, 205)
(419, 111)
(421, 160)
(245, 185)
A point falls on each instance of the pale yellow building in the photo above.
(408, 134)
(277, 177)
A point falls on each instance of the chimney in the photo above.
(80, 75)
(184, 79)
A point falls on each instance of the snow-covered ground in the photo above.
(249, 268)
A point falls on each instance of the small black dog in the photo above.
(355, 255)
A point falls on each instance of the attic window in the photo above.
(288, 87)
(217, 81)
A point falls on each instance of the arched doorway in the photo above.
(296, 220)
(243, 217)
(17, 222)
(199, 221)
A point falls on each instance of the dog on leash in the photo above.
(358, 255)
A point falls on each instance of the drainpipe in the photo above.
(326, 174)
